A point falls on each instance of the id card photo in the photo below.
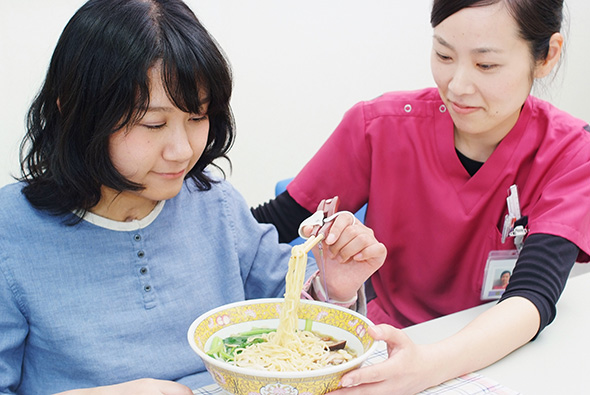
(497, 274)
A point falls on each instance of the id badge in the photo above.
(497, 273)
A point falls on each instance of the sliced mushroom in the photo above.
(336, 345)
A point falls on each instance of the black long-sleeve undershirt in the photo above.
(539, 276)
(541, 272)
(284, 213)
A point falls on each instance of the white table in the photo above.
(557, 362)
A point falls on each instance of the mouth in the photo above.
(461, 108)
(172, 175)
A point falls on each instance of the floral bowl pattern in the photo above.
(233, 318)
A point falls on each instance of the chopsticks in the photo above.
(312, 242)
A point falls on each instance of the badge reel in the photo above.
(500, 263)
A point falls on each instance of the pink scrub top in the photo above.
(439, 224)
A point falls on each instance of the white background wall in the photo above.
(298, 66)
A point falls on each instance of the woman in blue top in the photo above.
(116, 236)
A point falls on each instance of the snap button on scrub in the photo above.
(147, 288)
(442, 108)
(137, 237)
(140, 253)
(407, 108)
(143, 270)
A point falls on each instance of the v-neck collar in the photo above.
(471, 189)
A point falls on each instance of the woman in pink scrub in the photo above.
(436, 167)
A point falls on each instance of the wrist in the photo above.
(323, 295)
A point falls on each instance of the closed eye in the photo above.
(199, 118)
(156, 126)
(486, 66)
(443, 57)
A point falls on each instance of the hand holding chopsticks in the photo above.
(348, 254)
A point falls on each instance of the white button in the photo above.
(442, 108)
(407, 108)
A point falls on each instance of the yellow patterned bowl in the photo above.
(233, 318)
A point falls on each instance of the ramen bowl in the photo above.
(337, 322)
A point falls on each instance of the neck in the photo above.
(123, 206)
(474, 147)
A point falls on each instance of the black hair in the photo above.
(97, 83)
(537, 20)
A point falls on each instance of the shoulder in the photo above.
(417, 103)
(15, 206)
(221, 210)
(221, 190)
(402, 112)
(20, 222)
(559, 130)
(555, 120)
(221, 200)
(10, 191)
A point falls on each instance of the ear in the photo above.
(544, 67)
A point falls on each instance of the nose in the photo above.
(461, 82)
(178, 147)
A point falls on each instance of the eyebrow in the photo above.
(159, 109)
(481, 50)
(204, 101)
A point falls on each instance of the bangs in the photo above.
(185, 87)
(194, 70)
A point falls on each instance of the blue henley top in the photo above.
(103, 302)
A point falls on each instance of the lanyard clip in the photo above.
(514, 223)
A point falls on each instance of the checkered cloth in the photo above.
(469, 384)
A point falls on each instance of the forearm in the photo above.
(494, 334)
(527, 307)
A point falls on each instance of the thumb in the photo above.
(393, 337)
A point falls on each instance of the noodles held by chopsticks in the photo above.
(294, 284)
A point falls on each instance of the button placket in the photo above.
(142, 270)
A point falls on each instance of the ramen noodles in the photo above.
(286, 348)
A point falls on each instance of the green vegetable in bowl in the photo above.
(225, 349)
